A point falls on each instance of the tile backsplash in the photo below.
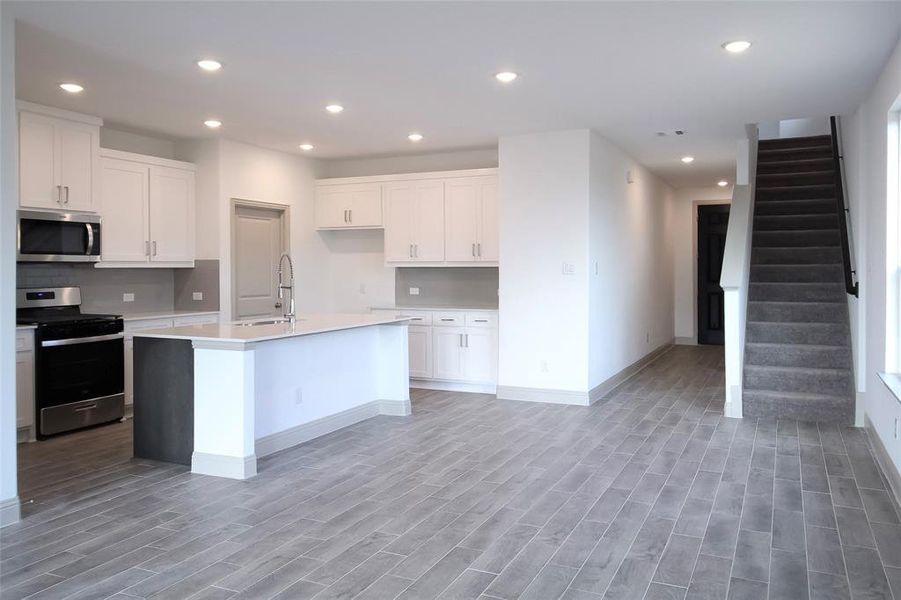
(463, 287)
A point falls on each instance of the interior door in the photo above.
(461, 219)
(428, 227)
(171, 214)
(258, 244)
(712, 222)
(400, 205)
(125, 200)
(76, 145)
(37, 162)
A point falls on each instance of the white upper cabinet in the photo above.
(148, 211)
(349, 206)
(414, 221)
(59, 159)
(470, 224)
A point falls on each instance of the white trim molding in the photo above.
(880, 452)
(453, 386)
(220, 465)
(549, 396)
(605, 387)
(10, 511)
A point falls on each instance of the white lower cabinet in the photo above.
(452, 346)
(25, 381)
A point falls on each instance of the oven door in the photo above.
(58, 237)
(80, 382)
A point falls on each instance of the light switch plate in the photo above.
(569, 268)
(197, 296)
(128, 297)
(414, 291)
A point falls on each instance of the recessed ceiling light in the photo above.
(415, 137)
(72, 88)
(213, 123)
(306, 147)
(506, 76)
(208, 64)
(688, 159)
(737, 46)
(334, 108)
(722, 183)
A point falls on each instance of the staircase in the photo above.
(797, 343)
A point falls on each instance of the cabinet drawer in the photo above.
(131, 327)
(195, 320)
(24, 341)
(417, 317)
(448, 319)
(481, 320)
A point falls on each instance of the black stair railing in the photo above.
(851, 286)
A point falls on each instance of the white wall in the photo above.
(630, 241)
(9, 506)
(205, 155)
(685, 252)
(410, 163)
(127, 141)
(865, 134)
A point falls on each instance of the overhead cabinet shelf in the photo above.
(430, 219)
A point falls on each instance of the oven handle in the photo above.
(90, 238)
(82, 340)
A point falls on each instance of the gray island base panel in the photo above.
(164, 399)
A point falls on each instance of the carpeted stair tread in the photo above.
(796, 142)
(795, 222)
(807, 380)
(797, 355)
(794, 312)
(787, 273)
(796, 292)
(793, 238)
(776, 154)
(795, 178)
(800, 406)
(781, 255)
(805, 206)
(795, 165)
(794, 332)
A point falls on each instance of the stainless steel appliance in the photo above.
(79, 360)
(48, 236)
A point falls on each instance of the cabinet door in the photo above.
(37, 162)
(428, 227)
(480, 355)
(78, 148)
(447, 345)
(366, 206)
(420, 352)
(461, 219)
(400, 205)
(488, 249)
(124, 204)
(332, 204)
(24, 389)
(171, 214)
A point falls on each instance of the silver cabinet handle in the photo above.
(154, 247)
(479, 247)
(345, 215)
(481, 320)
(59, 194)
(411, 250)
(415, 250)
(67, 194)
(473, 250)
(447, 320)
(466, 338)
(350, 216)
(90, 230)
(461, 339)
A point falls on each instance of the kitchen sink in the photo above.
(266, 322)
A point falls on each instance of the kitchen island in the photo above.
(218, 396)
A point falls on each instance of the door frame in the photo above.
(234, 205)
(695, 234)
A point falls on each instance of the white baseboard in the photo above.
(859, 403)
(395, 408)
(219, 465)
(685, 341)
(605, 387)
(550, 396)
(9, 511)
(453, 386)
(884, 460)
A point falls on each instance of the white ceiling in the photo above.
(625, 69)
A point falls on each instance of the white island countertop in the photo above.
(240, 334)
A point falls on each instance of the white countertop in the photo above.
(460, 308)
(167, 314)
(22, 327)
(235, 333)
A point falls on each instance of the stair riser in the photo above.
(833, 334)
(775, 194)
(797, 178)
(797, 273)
(787, 166)
(824, 382)
(770, 155)
(795, 256)
(798, 356)
(814, 292)
(794, 222)
(796, 207)
(796, 312)
(784, 239)
(755, 405)
(805, 141)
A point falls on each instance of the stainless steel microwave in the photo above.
(49, 236)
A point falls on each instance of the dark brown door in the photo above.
(712, 222)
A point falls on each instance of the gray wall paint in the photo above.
(204, 278)
(128, 141)
(458, 287)
(480, 158)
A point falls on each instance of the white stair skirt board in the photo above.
(453, 386)
(550, 396)
(884, 460)
(314, 429)
(9, 511)
(218, 465)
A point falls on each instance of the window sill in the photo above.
(893, 382)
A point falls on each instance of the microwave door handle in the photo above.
(90, 229)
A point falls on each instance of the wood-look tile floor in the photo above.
(649, 494)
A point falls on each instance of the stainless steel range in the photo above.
(79, 361)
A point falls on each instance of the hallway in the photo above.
(650, 493)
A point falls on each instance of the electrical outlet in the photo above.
(197, 296)
(298, 396)
(569, 268)
(414, 291)
(544, 368)
(128, 297)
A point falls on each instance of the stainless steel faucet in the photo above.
(288, 312)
